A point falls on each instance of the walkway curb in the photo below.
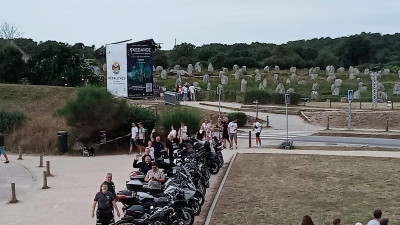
(210, 212)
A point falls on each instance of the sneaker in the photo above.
(231, 148)
(236, 146)
(7, 161)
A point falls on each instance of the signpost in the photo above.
(256, 102)
(374, 78)
(219, 92)
(350, 97)
(287, 102)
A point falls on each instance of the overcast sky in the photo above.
(198, 21)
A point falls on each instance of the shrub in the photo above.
(252, 95)
(94, 109)
(190, 116)
(10, 120)
(240, 116)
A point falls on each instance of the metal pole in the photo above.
(13, 194)
(219, 109)
(249, 139)
(387, 124)
(20, 153)
(349, 120)
(257, 109)
(287, 125)
(45, 180)
(374, 78)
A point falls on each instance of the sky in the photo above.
(98, 22)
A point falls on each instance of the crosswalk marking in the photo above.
(277, 135)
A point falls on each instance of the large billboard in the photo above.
(117, 82)
(140, 68)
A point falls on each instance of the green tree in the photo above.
(160, 58)
(182, 54)
(12, 66)
(326, 58)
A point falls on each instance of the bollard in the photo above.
(249, 138)
(330, 104)
(48, 169)
(45, 180)
(327, 124)
(20, 153)
(267, 121)
(392, 104)
(360, 104)
(13, 195)
(41, 160)
(387, 124)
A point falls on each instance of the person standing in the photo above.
(257, 128)
(192, 90)
(134, 136)
(2, 147)
(110, 184)
(225, 135)
(173, 131)
(233, 133)
(155, 177)
(157, 145)
(105, 205)
(182, 132)
(185, 93)
(171, 145)
(377, 217)
(141, 138)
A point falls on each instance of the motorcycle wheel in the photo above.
(187, 217)
(201, 188)
(200, 197)
(221, 161)
(206, 173)
(214, 169)
(123, 222)
(195, 206)
(205, 182)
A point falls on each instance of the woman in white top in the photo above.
(211, 128)
(173, 131)
(183, 131)
(150, 146)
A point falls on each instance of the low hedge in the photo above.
(240, 116)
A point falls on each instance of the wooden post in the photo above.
(360, 104)
(330, 104)
(267, 121)
(392, 104)
(20, 153)
(41, 160)
(48, 169)
(327, 124)
(45, 180)
(387, 124)
(13, 195)
(249, 138)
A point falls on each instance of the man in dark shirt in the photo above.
(171, 145)
(225, 135)
(157, 145)
(145, 166)
(111, 185)
(2, 147)
(105, 204)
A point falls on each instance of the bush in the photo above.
(10, 120)
(93, 110)
(240, 116)
(252, 95)
(190, 116)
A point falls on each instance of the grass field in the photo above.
(305, 90)
(281, 189)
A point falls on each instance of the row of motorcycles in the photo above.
(183, 192)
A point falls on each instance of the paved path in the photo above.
(277, 121)
(13, 173)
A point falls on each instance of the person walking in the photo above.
(257, 128)
(192, 91)
(134, 136)
(2, 147)
(141, 138)
(232, 130)
(225, 135)
(110, 184)
(185, 91)
(105, 204)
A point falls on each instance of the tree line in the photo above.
(46, 63)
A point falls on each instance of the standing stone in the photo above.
(340, 70)
(178, 81)
(293, 69)
(314, 95)
(312, 70)
(243, 84)
(335, 91)
(190, 70)
(224, 80)
(333, 86)
(330, 70)
(206, 78)
(331, 77)
(163, 74)
(265, 83)
(302, 82)
(288, 81)
(244, 68)
(276, 78)
(386, 72)
(225, 69)
(154, 68)
(280, 89)
(314, 76)
(351, 69)
(208, 86)
(317, 69)
(210, 67)
(261, 86)
(396, 89)
(257, 77)
(198, 67)
(235, 67)
(357, 95)
(338, 82)
(221, 73)
(380, 87)
(290, 91)
(105, 67)
(366, 71)
(293, 76)
(382, 95)
(155, 80)
(266, 69)
(352, 76)
(196, 84)
(177, 67)
(277, 68)
(356, 72)
(159, 68)
(315, 87)
(238, 74)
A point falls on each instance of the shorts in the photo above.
(225, 136)
(141, 142)
(2, 150)
(233, 136)
(105, 216)
(258, 134)
(134, 142)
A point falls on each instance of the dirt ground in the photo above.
(281, 189)
(360, 120)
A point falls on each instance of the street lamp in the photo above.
(374, 78)
(256, 102)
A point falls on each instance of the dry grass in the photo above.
(281, 189)
(39, 131)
